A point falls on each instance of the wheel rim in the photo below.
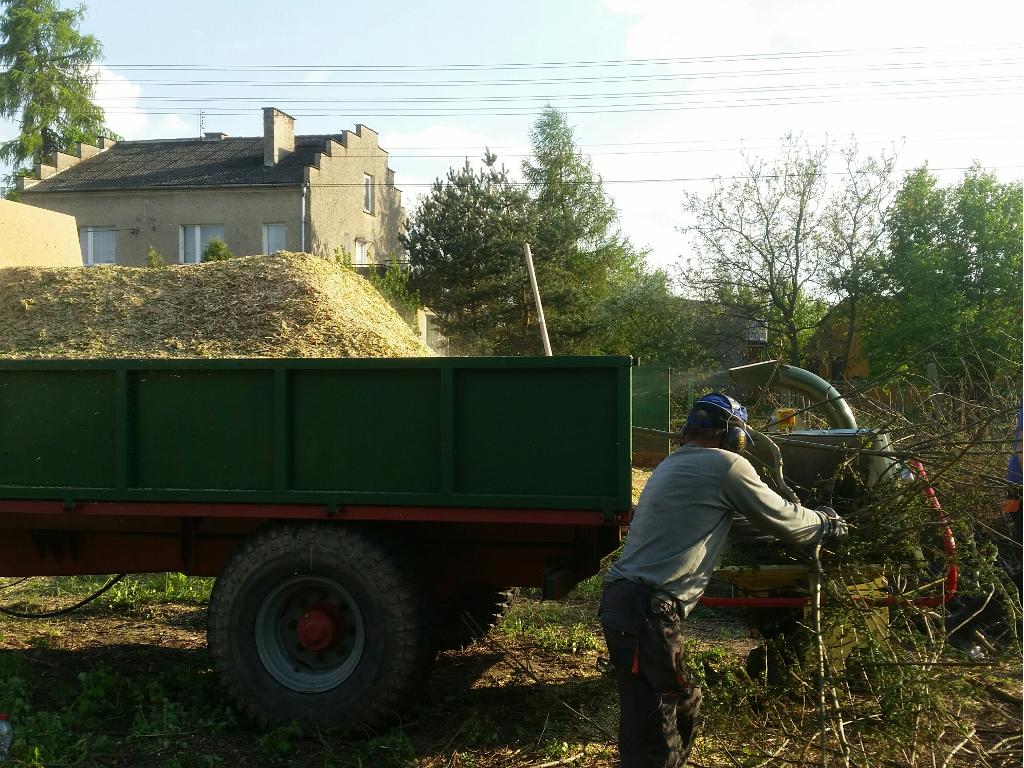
(310, 634)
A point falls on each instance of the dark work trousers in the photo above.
(658, 703)
(977, 611)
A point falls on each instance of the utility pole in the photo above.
(536, 299)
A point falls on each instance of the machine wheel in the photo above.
(319, 623)
(769, 662)
(485, 606)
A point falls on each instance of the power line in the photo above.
(683, 179)
(400, 152)
(675, 76)
(871, 138)
(602, 95)
(767, 56)
(641, 107)
(941, 64)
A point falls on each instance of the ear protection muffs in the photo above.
(734, 439)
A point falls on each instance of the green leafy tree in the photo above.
(853, 244)
(393, 285)
(578, 248)
(465, 246)
(951, 276)
(756, 242)
(47, 81)
(217, 250)
(642, 316)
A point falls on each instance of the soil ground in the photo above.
(129, 684)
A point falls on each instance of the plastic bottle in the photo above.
(5, 736)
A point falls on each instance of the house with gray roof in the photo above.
(261, 194)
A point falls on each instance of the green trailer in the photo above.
(351, 510)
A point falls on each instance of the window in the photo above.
(99, 245)
(274, 237)
(362, 258)
(194, 238)
(368, 193)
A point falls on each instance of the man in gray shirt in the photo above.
(677, 533)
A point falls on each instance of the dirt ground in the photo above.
(131, 685)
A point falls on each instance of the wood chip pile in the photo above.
(287, 305)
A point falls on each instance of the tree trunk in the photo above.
(839, 368)
(794, 347)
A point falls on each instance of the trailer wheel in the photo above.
(319, 623)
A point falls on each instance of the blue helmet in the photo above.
(722, 410)
(723, 414)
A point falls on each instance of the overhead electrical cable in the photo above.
(679, 75)
(797, 87)
(640, 107)
(767, 56)
(672, 180)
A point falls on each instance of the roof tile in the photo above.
(230, 161)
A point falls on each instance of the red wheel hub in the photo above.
(320, 626)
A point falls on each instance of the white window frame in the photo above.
(369, 194)
(88, 257)
(198, 241)
(363, 245)
(266, 237)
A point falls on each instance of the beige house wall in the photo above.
(336, 198)
(30, 237)
(147, 217)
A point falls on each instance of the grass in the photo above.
(127, 682)
(565, 626)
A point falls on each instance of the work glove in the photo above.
(837, 527)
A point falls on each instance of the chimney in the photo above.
(278, 135)
(214, 136)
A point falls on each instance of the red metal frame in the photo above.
(586, 517)
(499, 547)
(949, 583)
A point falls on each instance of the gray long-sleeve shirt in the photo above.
(684, 515)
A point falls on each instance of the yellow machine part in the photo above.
(864, 585)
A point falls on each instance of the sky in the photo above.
(664, 95)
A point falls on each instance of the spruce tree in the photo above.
(578, 248)
(47, 81)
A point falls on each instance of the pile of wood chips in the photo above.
(286, 305)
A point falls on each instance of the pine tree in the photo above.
(465, 246)
(47, 81)
(578, 248)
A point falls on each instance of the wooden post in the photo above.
(536, 299)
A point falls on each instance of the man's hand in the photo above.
(837, 527)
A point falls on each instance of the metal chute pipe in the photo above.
(822, 394)
(775, 469)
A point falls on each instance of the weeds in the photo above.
(565, 627)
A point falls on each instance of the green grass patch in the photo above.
(566, 627)
(134, 590)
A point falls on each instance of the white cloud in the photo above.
(668, 28)
(864, 88)
(120, 99)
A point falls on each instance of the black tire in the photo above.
(379, 644)
(472, 614)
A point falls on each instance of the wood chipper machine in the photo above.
(841, 466)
